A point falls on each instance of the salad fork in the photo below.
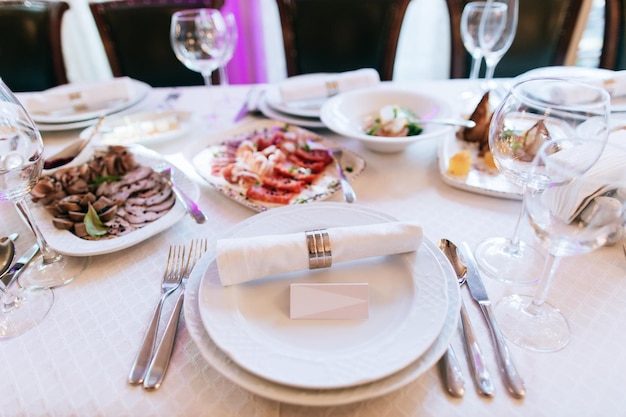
(160, 361)
(171, 280)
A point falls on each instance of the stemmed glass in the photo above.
(496, 32)
(199, 39)
(571, 214)
(533, 112)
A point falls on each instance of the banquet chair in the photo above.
(613, 53)
(136, 39)
(545, 31)
(341, 35)
(31, 54)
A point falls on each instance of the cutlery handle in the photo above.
(190, 205)
(348, 192)
(512, 379)
(138, 370)
(451, 373)
(161, 359)
(475, 356)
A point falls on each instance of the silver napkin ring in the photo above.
(318, 245)
(332, 88)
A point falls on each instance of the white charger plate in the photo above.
(219, 361)
(481, 179)
(202, 154)
(250, 322)
(268, 111)
(66, 243)
(140, 91)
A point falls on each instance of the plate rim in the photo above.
(411, 329)
(58, 239)
(334, 397)
(271, 113)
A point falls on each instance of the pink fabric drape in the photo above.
(247, 65)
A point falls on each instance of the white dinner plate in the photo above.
(481, 179)
(268, 111)
(140, 91)
(219, 361)
(65, 242)
(303, 108)
(203, 155)
(250, 322)
(142, 128)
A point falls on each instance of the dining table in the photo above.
(76, 361)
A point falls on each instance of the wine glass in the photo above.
(199, 39)
(470, 23)
(21, 153)
(533, 112)
(231, 43)
(572, 214)
(496, 32)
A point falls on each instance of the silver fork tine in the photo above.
(161, 359)
(171, 280)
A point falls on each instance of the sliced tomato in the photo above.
(314, 155)
(283, 183)
(289, 169)
(313, 166)
(269, 195)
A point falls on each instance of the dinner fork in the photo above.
(160, 361)
(171, 280)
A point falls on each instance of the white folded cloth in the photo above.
(79, 96)
(245, 259)
(310, 88)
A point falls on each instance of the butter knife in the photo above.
(13, 273)
(512, 379)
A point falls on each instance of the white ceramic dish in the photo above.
(219, 361)
(597, 76)
(202, 155)
(268, 111)
(67, 243)
(140, 91)
(251, 323)
(481, 179)
(347, 113)
(142, 128)
(307, 108)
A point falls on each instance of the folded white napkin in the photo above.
(245, 259)
(310, 88)
(79, 96)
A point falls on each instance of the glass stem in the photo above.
(223, 75)
(475, 68)
(207, 78)
(547, 276)
(49, 255)
(514, 245)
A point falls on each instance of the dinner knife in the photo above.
(13, 273)
(513, 381)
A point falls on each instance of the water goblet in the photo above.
(533, 112)
(199, 39)
(231, 42)
(572, 214)
(496, 32)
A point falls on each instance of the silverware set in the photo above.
(152, 361)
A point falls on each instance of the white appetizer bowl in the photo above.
(347, 114)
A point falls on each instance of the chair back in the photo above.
(136, 39)
(31, 55)
(544, 34)
(341, 35)
(613, 53)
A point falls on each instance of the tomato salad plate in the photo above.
(270, 164)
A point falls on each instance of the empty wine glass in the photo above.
(572, 214)
(470, 24)
(231, 43)
(496, 32)
(198, 38)
(536, 111)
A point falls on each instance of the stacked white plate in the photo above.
(84, 117)
(300, 113)
(245, 333)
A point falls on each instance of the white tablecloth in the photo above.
(75, 363)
